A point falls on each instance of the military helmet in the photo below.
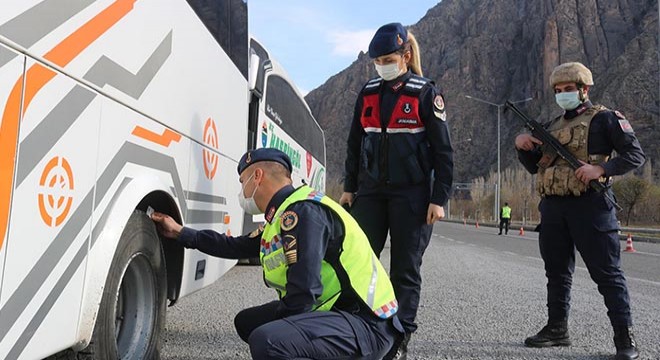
(571, 72)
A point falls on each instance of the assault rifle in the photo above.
(552, 144)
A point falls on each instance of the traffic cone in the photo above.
(629, 245)
(522, 231)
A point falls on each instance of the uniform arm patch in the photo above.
(623, 123)
(290, 249)
(439, 108)
(289, 220)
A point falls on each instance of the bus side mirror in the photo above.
(254, 70)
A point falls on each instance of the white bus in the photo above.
(109, 108)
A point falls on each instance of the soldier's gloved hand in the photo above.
(527, 142)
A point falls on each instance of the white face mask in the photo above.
(388, 72)
(568, 100)
(248, 204)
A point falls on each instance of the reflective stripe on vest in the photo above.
(358, 264)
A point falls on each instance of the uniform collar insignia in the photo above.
(270, 214)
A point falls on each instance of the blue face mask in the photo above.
(568, 100)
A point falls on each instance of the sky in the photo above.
(315, 39)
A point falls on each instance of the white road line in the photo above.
(645, 253)
(627, 277)
(510, 253)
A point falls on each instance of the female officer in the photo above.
(398, 169)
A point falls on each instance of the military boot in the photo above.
(626, 348)
(399, 350)
(553, 334)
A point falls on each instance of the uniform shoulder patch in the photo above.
(439, 108)
(439, 103)
(289, 220)
(625, 126)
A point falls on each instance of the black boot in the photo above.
(399, 350)
(553, 334)
(626, 347)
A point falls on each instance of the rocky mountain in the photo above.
(496, 50)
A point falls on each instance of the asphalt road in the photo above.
(482, 295)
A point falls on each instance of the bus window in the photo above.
(227, 21)
(288, 110)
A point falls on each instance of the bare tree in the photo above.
(629, 192)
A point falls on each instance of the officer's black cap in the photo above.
(388, 39)
(263, 154)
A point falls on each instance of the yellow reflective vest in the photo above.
(356, 266)
(506, 212)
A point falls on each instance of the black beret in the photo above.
(388, 39)
(263, 154)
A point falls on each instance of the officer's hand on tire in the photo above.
(527, 142)
(346, 198)
(434, 213)
(166, 225)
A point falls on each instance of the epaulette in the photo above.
(416, 83)
(372, 85)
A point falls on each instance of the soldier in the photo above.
(399, 164)
(576, 216)
(505, 218)
(335, 299)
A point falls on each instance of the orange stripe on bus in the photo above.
(37, 77)
(164, 139)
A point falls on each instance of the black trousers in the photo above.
(403, 215)
(504, 222)
(313, 335)
(589, 224)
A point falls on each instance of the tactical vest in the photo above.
(555, 175)
(353, 265)
(395, 151)
(506, 212)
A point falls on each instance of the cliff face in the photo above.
(506, 49)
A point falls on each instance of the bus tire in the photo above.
(132, 310)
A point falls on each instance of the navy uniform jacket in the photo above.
(437, 133)
(317, 227)
(608, 131)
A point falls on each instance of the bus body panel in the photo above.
(11, 69)
(212, 201)
(140, 98)
(51, 212)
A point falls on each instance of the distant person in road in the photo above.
(505, 218)
(335, 298)
(398, 170)
(573, 215)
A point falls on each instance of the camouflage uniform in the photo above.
(574, 215)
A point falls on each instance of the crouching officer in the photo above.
(575, 216)
(335, 299)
